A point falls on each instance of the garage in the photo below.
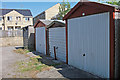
(50, 38)
(90, 38)
(57, 40)
(41, 39)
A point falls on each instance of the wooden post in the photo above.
(55, 53)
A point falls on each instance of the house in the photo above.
(14, 19)
(50, 38)
(48, 14)
(93, 38)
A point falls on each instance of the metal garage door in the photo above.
(88, 43)
(57, 39)
(40, 40)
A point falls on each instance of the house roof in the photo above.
(40, 14)
(25, 12)
(94, 5)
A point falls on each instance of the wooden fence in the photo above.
(11, 33)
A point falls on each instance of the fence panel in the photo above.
(12, 33)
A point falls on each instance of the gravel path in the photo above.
(9, 58)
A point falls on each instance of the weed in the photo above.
(8, 74)
(32, 65)
(35, 63)
(21, 51)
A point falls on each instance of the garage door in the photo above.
(88, 43)
(40, 40)
(57, 39)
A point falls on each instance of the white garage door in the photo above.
(88, 43)
(57, 39)
(40, 40)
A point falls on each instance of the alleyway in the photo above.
(9, 70)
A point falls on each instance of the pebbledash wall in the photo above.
(11, 38)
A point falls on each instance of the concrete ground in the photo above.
(9, 58)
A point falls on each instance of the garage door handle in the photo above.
(83, 54)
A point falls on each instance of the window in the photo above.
(27, 19)
(0, 28)
(17, 27)
(9, 18)
(18, 18)
(10, 28)
(0, 18)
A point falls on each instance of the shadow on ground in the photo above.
(19, 47)
(65, 70)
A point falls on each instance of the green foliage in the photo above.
(63, 9)
(119, 3)
(21, 51)
(32, 65)
(114, 2)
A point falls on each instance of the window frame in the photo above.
(18, 18)
(0, 28)
(9, 18)
(1, 18)
(27, 18)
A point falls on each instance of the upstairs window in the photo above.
(18, 18)
(0, 18)
(9, 18)
(27, 19)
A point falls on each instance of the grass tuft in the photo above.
(32, 65)
(21, 51)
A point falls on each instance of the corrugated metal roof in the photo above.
(116, 6)
(25, 12)
(57, 21)
(60, 21)
(46, 22)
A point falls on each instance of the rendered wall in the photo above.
(11, 38)
(11, 41)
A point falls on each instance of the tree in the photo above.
(114, 2)
(63, 9)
